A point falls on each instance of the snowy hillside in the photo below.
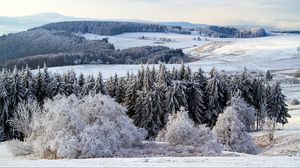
(172, 40)
(277, 52)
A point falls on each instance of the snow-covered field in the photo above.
(252, 161)
(127, 40)
(277, 52)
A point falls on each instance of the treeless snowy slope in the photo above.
(258, 54)
(127, 40)
(273, 52)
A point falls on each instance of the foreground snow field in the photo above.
(229, 159)
(161, 162)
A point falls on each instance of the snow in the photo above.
(252, 161)
(127, 40)
(277, 52)
(229, 160)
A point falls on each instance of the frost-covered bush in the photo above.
(180, 130)
(24, 115)
(230, 132)
(245, 112)
(94, 126)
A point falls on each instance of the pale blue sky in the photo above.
(280, 13)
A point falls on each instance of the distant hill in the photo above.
(22, 23)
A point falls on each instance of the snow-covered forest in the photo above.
(194, 113)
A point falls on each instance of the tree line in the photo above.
(231, 32)
(152, 94)
(106, 28)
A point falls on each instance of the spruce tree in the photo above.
(27, 81)
(174, 74)
(269, 75)
(215, 98)
(38, 87)
(17, 90)
(153, 74)
(120, 91)
(76, 89)
(181, 72)
(131, 95)
(81, 80)
(56, 86)
(46, 79)
(158, 96)
(277, 108)
(244, 84)
(99, 85)
(88, 86)
(170, 103)
(145, 116)
(200, 79)
(140, 78)
(187, 74)
(162, 77)
(195, 99)
(4, 100)
(212, 72)
(175, 97)
(70, 80)
(112, 85)
(259, 102)
(147, 79)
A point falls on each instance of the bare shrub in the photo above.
(262, 141)
(271, 126)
